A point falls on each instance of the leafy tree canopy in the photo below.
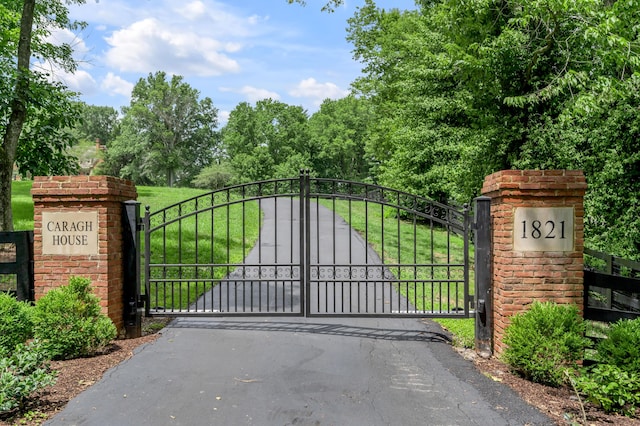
(462, 89)
(35, 114)
(168, 133)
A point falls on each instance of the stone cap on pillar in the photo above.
(82, 188)
(538, 183)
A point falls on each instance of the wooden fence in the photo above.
(611, 287)
(16, 264)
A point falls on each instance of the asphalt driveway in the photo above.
(297, 371)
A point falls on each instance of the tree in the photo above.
(24, 92)
(462, 89)
(328, 7)
(338, 134)
(98, 123)
(267, 141)
(168, 133)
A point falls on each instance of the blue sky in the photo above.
(231, 51)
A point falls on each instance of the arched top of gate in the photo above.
(455, 217)
(235, 194)
(452, 217)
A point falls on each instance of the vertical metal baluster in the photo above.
(229, 253)
(307, 243)
(366, 248)
(180, 257)
(333, 201)
(415, 252)
(275, 248)
(351, 252)
(196, 254)
(147, 260)
(291, 245)
(164, 252)
(211, 257)
(382, 260)
(260, 258)
(317, 202)
(467, 221)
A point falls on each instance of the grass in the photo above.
(22, 205)
(422, 243)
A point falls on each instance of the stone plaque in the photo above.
(543, 229)
(70, 233)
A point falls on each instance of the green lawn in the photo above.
(22, 205)
(417, 244)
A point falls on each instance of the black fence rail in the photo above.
(611, 287)
(16, 264)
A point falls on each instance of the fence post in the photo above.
(131, 268)
(482, 226)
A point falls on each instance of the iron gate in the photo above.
(307, 246)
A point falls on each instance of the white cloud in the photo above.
(115, 85)
(318, 92)
(193, 10)
(81, 81)
(149, 45)
(253, 94)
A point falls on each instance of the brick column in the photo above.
(82, 235)
(537, 241)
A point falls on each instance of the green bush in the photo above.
(610, 387)
(15, 322)
(621, 347)
(69, 323)
(545, 341)
(22, 373)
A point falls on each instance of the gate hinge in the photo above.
(142, 300)
(140, 224)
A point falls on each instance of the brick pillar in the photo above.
(537, 241)
(78, 232)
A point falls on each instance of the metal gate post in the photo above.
(131, 268)
(484, 325)
(146, 225)
(305, 252)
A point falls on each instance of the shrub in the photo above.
(15, 322)
(545, 341)
(69, 322)
(22, 373)
(621, 347)
(610, 387)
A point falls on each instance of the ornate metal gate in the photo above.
(308, 247)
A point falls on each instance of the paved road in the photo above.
(340, 261)
(298, 371)
(302, 372)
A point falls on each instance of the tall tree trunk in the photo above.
(17, 117)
